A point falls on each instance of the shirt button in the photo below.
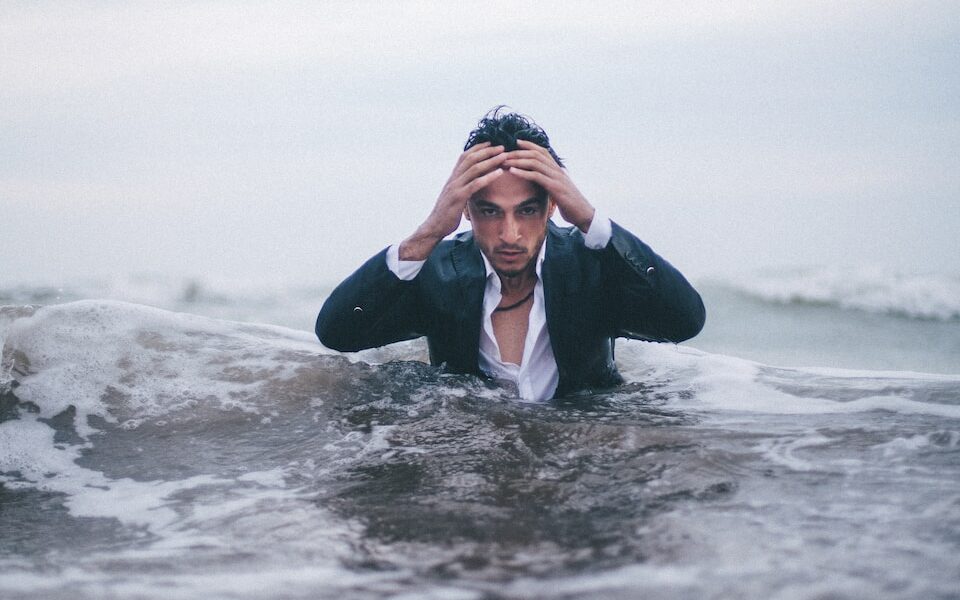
(650, 270)
(357, 309)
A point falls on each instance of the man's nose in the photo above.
(510, 230)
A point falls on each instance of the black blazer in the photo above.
(592, 296)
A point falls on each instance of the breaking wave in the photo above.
(913, 295)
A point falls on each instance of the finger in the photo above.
(481, 182)
(527, 154)
(481, 168)
(534, 176)
(478, 158)
(533, 147)
(468, 154)
(530, 164)
(540, 154)
(481, 152)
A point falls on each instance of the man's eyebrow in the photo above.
(482, 202)
(538, 200)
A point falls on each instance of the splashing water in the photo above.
(163, 455)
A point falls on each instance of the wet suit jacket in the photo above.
(591, 297)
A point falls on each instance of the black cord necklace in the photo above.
(515, 304)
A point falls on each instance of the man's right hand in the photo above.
(474, 170)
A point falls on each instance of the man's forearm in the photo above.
(419, 245)
(475, 168)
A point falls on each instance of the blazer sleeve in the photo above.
(371, 308)
(648, 298)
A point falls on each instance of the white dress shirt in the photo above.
(536, 376)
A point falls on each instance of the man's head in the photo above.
(505, 128)
(510, 215)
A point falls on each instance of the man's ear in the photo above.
(551, 206)
(466, 211)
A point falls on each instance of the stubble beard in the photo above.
(528, 267)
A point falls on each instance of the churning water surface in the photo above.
(152, 454)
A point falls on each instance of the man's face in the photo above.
(509, 219)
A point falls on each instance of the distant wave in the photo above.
(919, 296)
(286, 303)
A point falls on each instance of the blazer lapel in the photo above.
(560, 279)
(471, 279)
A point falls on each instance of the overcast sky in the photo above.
(290, 141)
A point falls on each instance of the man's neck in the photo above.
(519, 283)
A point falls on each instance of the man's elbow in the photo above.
(672, 326)
(690, 323)
(334, 337)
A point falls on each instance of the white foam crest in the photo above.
(782, 451)
(717, 382)
(926, 296)
(902, 447)
(9, 314)
(27, 448)
(124, 362)
(634, 577)
(313, 579)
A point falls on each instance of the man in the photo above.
(517, 298)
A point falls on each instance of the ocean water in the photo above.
(170, 438)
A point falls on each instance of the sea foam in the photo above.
(123, 362)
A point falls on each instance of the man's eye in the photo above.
(528, 210)
(488, 212)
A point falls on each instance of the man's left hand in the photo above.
(534, 163)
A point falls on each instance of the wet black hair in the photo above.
(500, 127)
